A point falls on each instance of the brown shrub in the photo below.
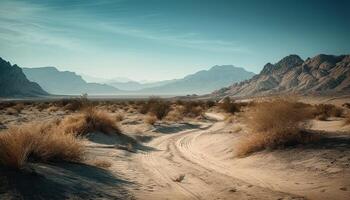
(18, 107)
(119, 117)
(324, 111)
(89, 120)
(150, 119)
(229, 106)
(11, 111)
(39, 142)
(156, 106)
(274, 124)
(193, 109)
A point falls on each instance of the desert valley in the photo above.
(176, 100)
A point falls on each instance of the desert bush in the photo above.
(11, 111)
(156, 106)
(193, 108)
(210, 103)
(324, 111)
(150, 119)
(274, 124)
(37, 142)
(176, 114)
(229, 106)
(119, 117)
(18, 107)
(89, 120)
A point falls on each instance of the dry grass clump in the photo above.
(324, 111)
(156, 106)
(275, 124)
(89, 120)
(11, 111)
(37, 142)
(150, 119)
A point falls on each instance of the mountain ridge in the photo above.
(14, 83)
(321, 74)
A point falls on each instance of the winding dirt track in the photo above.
(182, 166)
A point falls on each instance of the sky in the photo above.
(166, 39)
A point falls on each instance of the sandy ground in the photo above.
(193, 160)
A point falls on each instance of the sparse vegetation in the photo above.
(37, 142)
(150, 119)
(274, 124)
(156, 106)
(324, 111)
(89, 120)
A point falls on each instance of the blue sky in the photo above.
(157, 40)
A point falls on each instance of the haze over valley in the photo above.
(176, 99)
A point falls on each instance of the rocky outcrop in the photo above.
(13, 82)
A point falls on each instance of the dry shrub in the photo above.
(229, 106)
(150, 119)
(18, 107)
(89, 120)
(38, 142)
(42, 106)
(275, 124)
(52, 109)
(324, 111)
(11, 111)
(193, 109)
(156, 106)
(119, 117)
(176, 114)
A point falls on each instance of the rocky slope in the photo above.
(65, 82)
(322, 74)
(13, 82)
(203, 82)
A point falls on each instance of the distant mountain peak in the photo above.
(289, 61)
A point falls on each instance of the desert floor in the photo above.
(192, 159)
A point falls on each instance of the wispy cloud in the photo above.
(24, 22)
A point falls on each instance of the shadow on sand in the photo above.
(61, 181)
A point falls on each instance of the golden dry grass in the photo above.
(39, 142)
(150, 119)
(89, 120)
(275, 124)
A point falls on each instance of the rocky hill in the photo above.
(13, 82)
(322, 74)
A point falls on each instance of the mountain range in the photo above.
(13, 82)
(322, 74)
(65, 82)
